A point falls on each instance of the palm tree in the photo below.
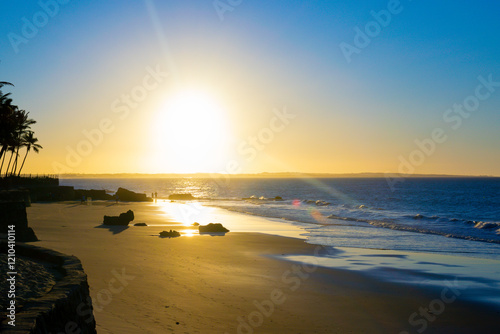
(31, 143)
(18, 144)
(15, 133)
(12, 150)
(5, 83)
(23, 124)
(14, 123)
(5, 134)
(6, 120)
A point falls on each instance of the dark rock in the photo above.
(62, 304)
(212, 228)
(14, 213)
(140, 224)
(130, 196)
(278, 198)
(196, 224)
(124, 219)
(17, 195)
(170, 234)
(181, 197)
(27, 235)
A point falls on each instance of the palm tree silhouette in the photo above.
(31, 143)
(17, 123)
(15, 133)
(23, 124)
(6, 122)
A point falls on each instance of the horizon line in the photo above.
(279, 174)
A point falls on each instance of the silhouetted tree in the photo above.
(15, 132)
(30, 142)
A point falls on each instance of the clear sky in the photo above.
(306, 86)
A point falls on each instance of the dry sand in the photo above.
(141, 283)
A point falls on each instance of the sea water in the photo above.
(458, 216)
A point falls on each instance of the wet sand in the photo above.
(141, 283)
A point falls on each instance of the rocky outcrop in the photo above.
(130, 196)
(123, 219)
(212, 228)
(67, 308)
(170, 234)
(17, 195)
(14, 213)
(181, 197)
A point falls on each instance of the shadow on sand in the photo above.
(214, 234)
(115, 229)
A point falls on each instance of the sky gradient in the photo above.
(272, 76)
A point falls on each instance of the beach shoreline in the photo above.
(237, 283)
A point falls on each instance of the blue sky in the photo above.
(357, 116)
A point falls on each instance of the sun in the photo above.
(192, 133)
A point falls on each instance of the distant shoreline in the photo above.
(269, 175)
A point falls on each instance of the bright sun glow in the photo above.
(192, 134)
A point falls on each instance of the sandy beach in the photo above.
(141, 283)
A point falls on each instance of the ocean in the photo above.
(446, 216)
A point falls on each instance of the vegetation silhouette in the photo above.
(15, 134)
